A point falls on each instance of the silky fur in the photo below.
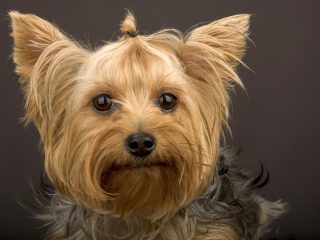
(230, 209)
(85, 155)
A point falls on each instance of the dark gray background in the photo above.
(275, 122)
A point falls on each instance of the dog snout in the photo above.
(140, 144)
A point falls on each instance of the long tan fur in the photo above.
(84, 150)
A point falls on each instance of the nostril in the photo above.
(133, 145)
(149, 143)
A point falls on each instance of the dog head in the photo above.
(132, 127)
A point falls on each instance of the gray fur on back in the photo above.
(230, 201)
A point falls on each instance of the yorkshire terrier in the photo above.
(132, 132)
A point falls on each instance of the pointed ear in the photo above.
(210, 56)
(31, 35)
(48, 63)
(217, 48)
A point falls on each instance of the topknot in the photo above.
(129, 25)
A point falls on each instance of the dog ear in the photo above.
(31, 35)
(210, 55)
(47, 62)
(214, 50)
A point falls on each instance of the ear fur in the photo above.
(211, 54)
(218, 46)
(47, 62)
(31, 35)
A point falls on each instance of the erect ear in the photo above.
(32, 35)
(210, 55)
(216, 49)
(47, 62)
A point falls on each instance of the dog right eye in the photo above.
(102, 103)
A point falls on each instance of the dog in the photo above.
(132, 132)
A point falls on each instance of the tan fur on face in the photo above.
(85, 152)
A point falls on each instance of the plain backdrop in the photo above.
(276, 121)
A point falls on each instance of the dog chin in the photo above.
(137, 188)
(139, 166)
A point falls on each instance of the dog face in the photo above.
(133, 127)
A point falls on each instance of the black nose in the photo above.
(140, 144)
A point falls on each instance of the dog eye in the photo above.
(102, 102)
(168, 101)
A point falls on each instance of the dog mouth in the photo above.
(138, 165)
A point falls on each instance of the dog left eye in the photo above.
(102, 103)
(168, 101)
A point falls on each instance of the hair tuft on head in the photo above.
(129, 25)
